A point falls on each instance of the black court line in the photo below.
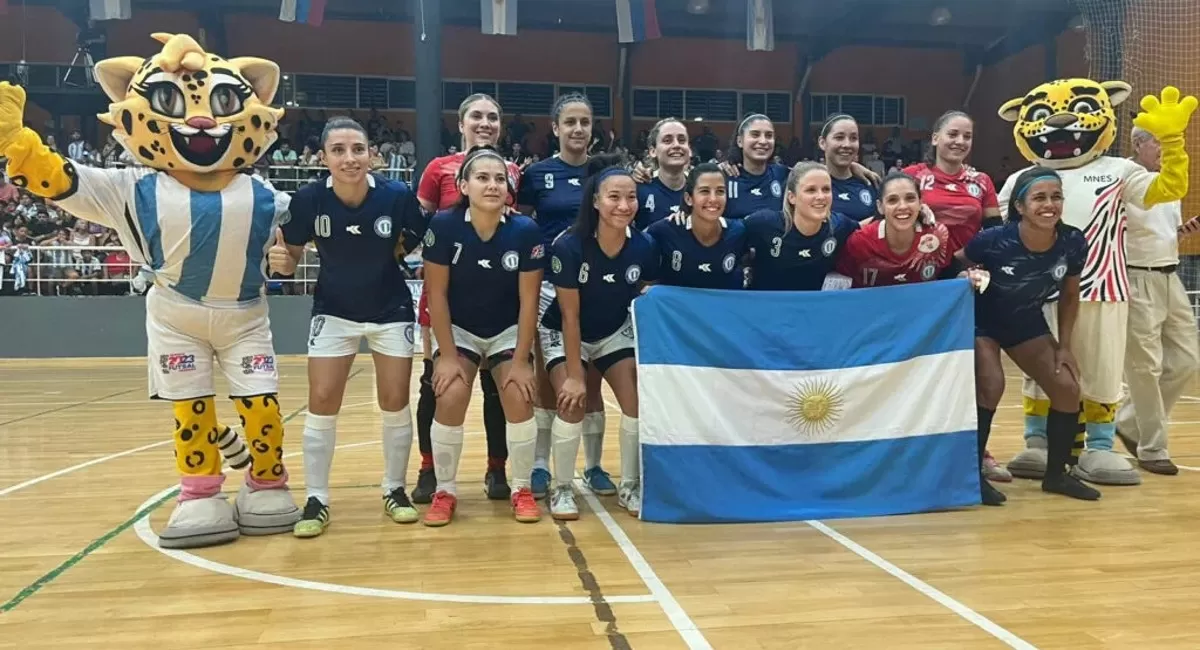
(65, 407)
(604, 612)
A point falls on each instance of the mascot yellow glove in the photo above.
(1166, 120)
(12, 113)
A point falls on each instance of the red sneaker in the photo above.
(441, 511)
(525, 507)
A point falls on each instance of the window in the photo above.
(868, 110)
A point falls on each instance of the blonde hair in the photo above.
(801, 170)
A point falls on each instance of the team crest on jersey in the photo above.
(929, 242)
(253, 363)
(510, 260)
(429, 237)
(1060, 270)
(633, 273)
(865, 196)
(555, 264)
(928, 271)
(729, 262)
(776, 189)
(828, 247)
(176, 362)
(383, 226)
(974, 190)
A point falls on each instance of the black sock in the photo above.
(426, 404)
(985, 429)
(494, 424)
(1060, 438)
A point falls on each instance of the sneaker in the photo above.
(313, 521)
(426, 486)
(441, 511)
(1069, 485)
(989, 495)
(539, 482)
(399, 508)
(562, 504)
(495, 485)
(629, 497)
(995, 471)
(525, 507)
(599, 481)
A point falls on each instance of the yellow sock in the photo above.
(1036, 407)
(196, 452)
(263, 426)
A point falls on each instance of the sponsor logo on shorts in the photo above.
(176, 362)
(264, 363)
(409, 334)
(318, 324)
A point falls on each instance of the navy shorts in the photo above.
(1010, 330)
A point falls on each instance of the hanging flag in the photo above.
(791, 415)
(110, 9)
(311, 12)
(637, 20)
(499, 17)
(760, 25)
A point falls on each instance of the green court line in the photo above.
(57, 571)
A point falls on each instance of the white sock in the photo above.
(522, 443)
(566, 449)
(631, 461)
(593, 439)
(320, 433)
(447, 449)
(397, 447)
(545, 419)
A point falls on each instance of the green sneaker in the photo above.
(314, 521)
(399, 508)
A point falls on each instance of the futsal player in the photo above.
(483, 270)
(479, 122)
(670, 156)
(1031, 258)
(852, 197)
(794, 248)
(755, 182)
(551, 192)
(597, 267)
(702, 250)
(359, 222)
(962, 198)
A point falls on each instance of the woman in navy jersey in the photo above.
(670, 155)
(483, 270)
(796, 247)
(597, 267)
(552, 191)
(852, 196)
(701, 248)
(755, 182)
(1031, 258)
(359, 222)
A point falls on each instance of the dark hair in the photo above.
(694, 175)
(894, 177)
(477, 153)
(338, 123)
(564, 100)
(834, 119)
(652, 139)
(598, 168)
(734, 155)
(938, 125)
(1021, 185)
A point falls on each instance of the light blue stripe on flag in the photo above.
(262, 220)
(203, 239)
(806, 405)
(145, 204)
(637, 20)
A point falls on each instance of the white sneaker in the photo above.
(562, 504)
(629, 496)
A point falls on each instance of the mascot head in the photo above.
(187, 110)
(1066, 123)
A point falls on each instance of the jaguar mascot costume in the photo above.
(193, 121)
(1069, 125)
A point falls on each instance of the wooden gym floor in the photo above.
(83, 455)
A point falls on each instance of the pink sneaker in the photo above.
(995, 471)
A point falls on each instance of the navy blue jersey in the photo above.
(854, 198)
(360, 277)
(656, 201)
(1022, 281)
(685, 262)
(554, 189)
(748, 193)
(607, 285)
(793, 261)
(484, 294)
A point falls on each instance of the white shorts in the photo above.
(1099, 348)
(602, 354)
(184, 337)
(545, 298)
(495, 350)
(330, 336)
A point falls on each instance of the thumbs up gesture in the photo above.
(279, 259)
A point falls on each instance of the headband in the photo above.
(836, 117)
(751, 118)
(611, 171)
(1044, 177)
(480, 153)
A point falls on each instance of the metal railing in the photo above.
(289, 178)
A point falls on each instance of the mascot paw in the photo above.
(12, 112)
(1106, 467)
(198, 523)
(266, 512)
(1167, 116)
(1031, 462)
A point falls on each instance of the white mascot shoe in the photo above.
(1105, 467)
(266, 512)
(199, 523)
(1031, 462)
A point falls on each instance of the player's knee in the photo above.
(516, 407)
(325, 397)
(1063, 392)
(454, 397)
(392, 399)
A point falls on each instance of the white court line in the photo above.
(148, 536)
(977, 619)
(73, 468)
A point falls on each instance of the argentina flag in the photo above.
(789, 406)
